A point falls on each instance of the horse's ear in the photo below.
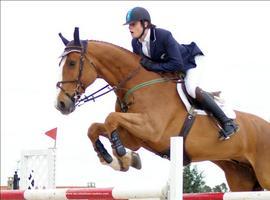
(65, 41)
(76, 37)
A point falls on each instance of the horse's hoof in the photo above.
(136, 160)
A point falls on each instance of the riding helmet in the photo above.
(137, 14)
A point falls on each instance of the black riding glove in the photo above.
(147, 63)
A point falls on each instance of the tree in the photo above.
(220, 188)
(194, 183)
(193, 180)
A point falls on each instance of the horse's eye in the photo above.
(72, 63)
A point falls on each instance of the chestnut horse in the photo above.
(149, 111)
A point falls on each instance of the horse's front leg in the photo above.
(135, 123)
(94, 131)
(98, 129)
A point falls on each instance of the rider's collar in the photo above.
(147, 37)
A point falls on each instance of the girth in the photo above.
(190, 118)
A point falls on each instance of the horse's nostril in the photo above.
(61, 105)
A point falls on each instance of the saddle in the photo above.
(191, 103)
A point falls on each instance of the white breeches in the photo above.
(192, 78)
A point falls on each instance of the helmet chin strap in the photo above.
(142, 23)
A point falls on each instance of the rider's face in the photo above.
(135, 29)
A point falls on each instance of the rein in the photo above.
(115, 88)
(123, 104)
(86, 98)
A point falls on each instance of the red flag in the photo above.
(52, 133)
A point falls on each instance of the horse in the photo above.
(148, 111)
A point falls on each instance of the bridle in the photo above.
(76, 97)
(79, 46)
(79, 85)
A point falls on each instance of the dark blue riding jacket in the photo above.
(168, 55)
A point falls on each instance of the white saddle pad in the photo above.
(229, 112)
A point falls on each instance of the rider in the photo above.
(162, 53)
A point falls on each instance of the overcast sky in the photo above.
(235, 37)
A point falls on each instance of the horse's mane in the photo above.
(113, 45)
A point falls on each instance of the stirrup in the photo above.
(224, 136)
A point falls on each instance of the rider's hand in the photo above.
(147, 63)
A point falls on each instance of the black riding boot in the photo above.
(207, 102)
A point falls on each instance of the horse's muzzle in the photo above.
(65, 107)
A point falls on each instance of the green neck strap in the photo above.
(141, 85)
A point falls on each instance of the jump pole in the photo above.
(107, 194)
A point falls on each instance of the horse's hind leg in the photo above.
(240, 177)
(262, 164)
(132, 158)
(264, 177)
(263, 174)
(259, 151)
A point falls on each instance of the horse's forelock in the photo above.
(67, 51)
(73, 47)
